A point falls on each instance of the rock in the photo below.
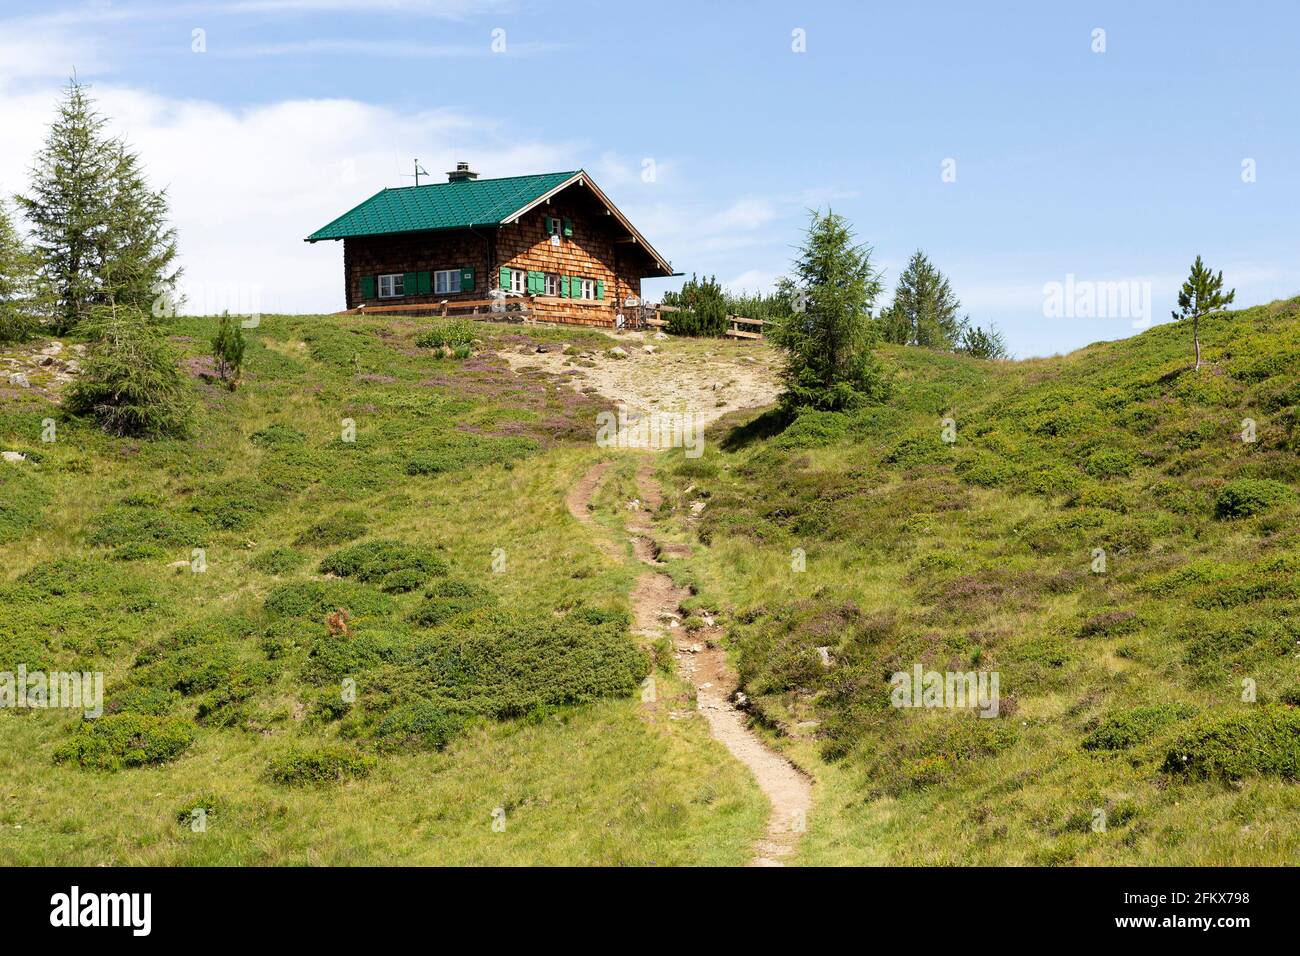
(19, 379)
(695, 648)
(825, 654)
(179, 564)
(649, 349)
(659, 336)
(697, 507)
(47, 361)
(617, 352)
(13, 456)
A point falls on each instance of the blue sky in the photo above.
(1114, 166)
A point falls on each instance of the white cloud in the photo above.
(747, 213)
(247, 186)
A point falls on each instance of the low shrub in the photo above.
(1127, 728)
(1261, 741)
(373, 561)
(116, 741)
(325, 764)
(452, 334)
(1249, 496)
(315, 599)
(421, 724)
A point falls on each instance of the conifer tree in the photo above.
(925, 310)
(1200, 295)
(828, 338)
(19, 302)
(99, 231)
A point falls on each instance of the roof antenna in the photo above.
(419, 171)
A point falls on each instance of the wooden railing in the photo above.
(512, 308)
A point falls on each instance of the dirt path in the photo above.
(701, 661)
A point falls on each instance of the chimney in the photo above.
(461, 174)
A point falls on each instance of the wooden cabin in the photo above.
(553, 239)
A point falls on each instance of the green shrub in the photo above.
(1261, 741)
(1109, 463)
(1249, 496)
(452, 333)
(373, 561)
(1128, 728)
(420, 724)
(130, 383)
(402, 580)
(446, 599)
(115, 741)
(325, 764)
(315, 599)
(228, 347)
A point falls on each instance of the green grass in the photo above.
(1125, 691)
(349, 680)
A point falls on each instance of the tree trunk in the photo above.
(1196, 341)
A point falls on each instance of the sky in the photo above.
(1062, 163)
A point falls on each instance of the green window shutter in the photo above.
(367, 287)
(505, 278)
(424, 282)
(568, 227)
(467, 280)
(600, 288)
(536, 282)
(549, 220)
(410, 282)
(564, 286)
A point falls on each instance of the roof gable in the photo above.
(481, 202)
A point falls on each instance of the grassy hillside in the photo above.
(478, 690)
(485, 636)
(1121, 691)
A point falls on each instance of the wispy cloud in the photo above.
(382, 48)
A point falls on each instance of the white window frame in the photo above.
(552, 284)
(588, 288)
(519, 281)
(557, 226)
(452, 284)
(396, 281)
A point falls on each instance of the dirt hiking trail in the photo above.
(701, 661)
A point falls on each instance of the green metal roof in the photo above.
(477, 202)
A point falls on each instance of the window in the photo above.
(552, 284)
(588, 289)
(518, 281)
(446, 280)
(553, 225)
(390, 285)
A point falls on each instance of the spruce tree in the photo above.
(19, 303)
(1200, 295)
(828, 338)
(983, 344)
(228, 348)
(130, 383)
(925, 310)
(99, 232)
